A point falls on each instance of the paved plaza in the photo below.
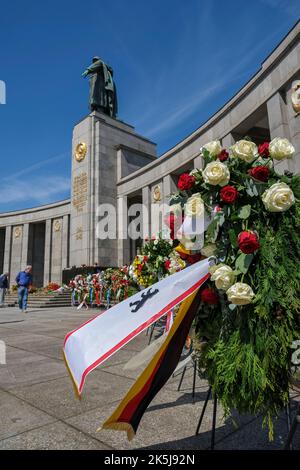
(38, 408)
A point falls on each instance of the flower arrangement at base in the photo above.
(114, 283)
(157, 260)
(52, 287)
(250, 308)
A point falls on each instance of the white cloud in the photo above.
(35, 190)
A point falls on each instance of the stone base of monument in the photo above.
(105, 151)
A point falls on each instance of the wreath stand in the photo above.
(208, 395)
(292, 430)
(291, 427)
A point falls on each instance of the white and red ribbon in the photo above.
(99, 338)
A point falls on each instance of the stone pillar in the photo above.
(146, 199)
(169, 187)
(16, 250)
(47, 262)
(156, 206)
(7, 250)
(198, 162)
(294, 130)
(65, 242)
(25, 240)
(56, 250)
(278, 123)
(227, 141)
(123, 240)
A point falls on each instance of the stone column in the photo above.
(65, 242)
(7, 250)
(278, 123)
(198, 162)
(25, 240)
(227, 141)
(169, 187)
(123, 241)
(146, 198)
(47, 262)
(294, 129)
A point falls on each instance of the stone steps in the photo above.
(41, 299)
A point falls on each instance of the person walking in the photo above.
(24, 280)
(3, 287)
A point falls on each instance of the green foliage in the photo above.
(248, 356)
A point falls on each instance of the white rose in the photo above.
(214, 147)
(223, 276)
(194, 205)
(155, 242)
(245, 150)
(240, 294)
(216, 173)
(281, 148)
(278, 198)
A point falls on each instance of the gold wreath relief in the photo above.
(18, 232)
(295, 97)
(156, 193)
(57, 226)
(80, 151)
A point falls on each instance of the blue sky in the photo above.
(175, 63)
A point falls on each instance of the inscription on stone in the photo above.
(80, 190)
(79, 233)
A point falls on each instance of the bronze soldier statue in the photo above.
(103, 93)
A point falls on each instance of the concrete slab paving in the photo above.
(54, 436)
(38, 408)
(57, 398)
(18, 416)
(25, 368)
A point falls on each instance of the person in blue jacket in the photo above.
(3, 287)
(24, 280)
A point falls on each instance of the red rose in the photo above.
(223, 156)
(209, 296)
(167, 264)
(248, 242)
(229, 194)
(140, 267)
(186, 182)
(263, 149)
(145, 259)
(260, 173)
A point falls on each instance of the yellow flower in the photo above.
(278, 198)
(194, 205)
(223, 276)
(280, 149)
(245, 150)
(216, 173)
(240, 294)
